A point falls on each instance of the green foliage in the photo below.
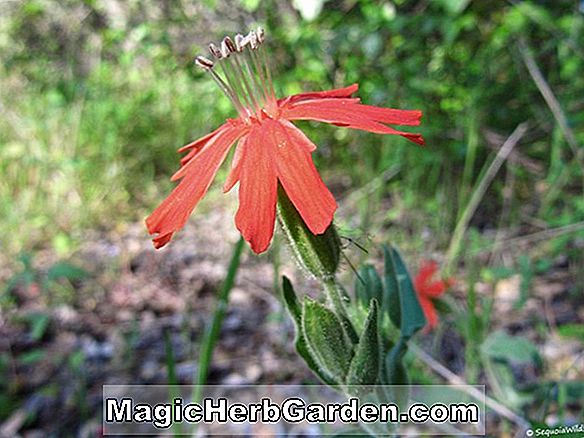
(365, 365)
(575, 331)
(512, 349)
(295, 310)
(325, 339)
(500, 351)
(368, 286)
(407, 313)
(60, 276)
(396, 294)
(39, 323)
(377, 356)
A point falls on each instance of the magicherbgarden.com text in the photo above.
(292, 410)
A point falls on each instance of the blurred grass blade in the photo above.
(479, 192)
(212, 334)
(368, 285)
(171, 379)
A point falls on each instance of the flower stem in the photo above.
(334, 296)
(211, 335)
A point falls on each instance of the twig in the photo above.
(480, 190)
(540, 235)
(549, 97)
(369, 187)
(505, 211)
(453, 379)
(493, 141)
(211, 336)
(13, 424)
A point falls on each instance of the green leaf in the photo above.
(325, 339)
(572, 331)
(513, 349)
(364, 368)
(455, 7)
(550, 391)
(291, 301)
(39, 322)
(295, 310)
(66, 271)
(395, 371)
(32, 357)
(404, 307)
(368, 285)
(391, 295)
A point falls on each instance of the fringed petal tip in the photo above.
(350, 113)
(416, 138)
(162, 240)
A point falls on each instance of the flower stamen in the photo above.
(245, 75)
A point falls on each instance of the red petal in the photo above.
(334, 93)
(196, 146)
(352, 114)
(174, 211)
(427, 270)
(429, 312)
(235, 171)
(258, 186)
(391, 116)
(434, 289)
(299, 177)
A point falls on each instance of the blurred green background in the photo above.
(97, 95)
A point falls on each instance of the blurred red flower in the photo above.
(428, 290)
(270, 150)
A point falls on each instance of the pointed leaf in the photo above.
(395, 370)
(325, 339)
(368, 285)
(412, 316)
(295, 310)
(291, 301)
(364, 368)
(391, 299)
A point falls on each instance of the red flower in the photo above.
(270, 149)
(428, 290)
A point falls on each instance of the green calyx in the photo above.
(318, 254)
